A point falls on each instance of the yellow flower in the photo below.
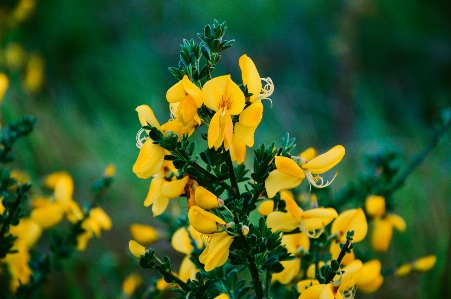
(144, 234)
(130, 283)
(161, 190)
(311, 270)
(291, 269)
(404, 270)
(424, 264)
(370, 278)
(205, 199)
(251, 117)
(217, 251)
(266, 207)
(136, 249)
(18, 267)
(203, 221)
(27, 232)
(34, 76)
(110, 170)
(335, 252)
(350, 276)
(321, 291)
(151, 156)
(189, 99)
(222, 95)
(188, 269)
(383, 231)
(48, 215)
(305, 284)
(237, 149)
(375, 205)
(4, 83)
(96, 221)
(353, 219)
(222, 296)
(289, 174)
(181, 240)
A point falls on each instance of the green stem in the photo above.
(233, 181)
(256, 278)
(181, 283)
(418, 159)
(268, 283)
(339, 259)
(255, 196)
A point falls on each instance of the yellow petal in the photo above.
(143, 234)
(350, 276)
(335, 252)
(237, 150)
(215, 132)
(136, 249)
(174, 188)
(245, 133)
(309, 154)
(266, 207)
(130, 283)
(353, 219)
(371, 286)
(235, 98)
(181, 241)
(183, 88)
(382, 234)
(49, 215)
(160, 205)
(219, 251)
(27, 231)
(4, 83)
(370, 271)
(306, 283)
(64, 189)
(178, 128)
(228, 130)
(150, 160)
(404, 270)
(222, 296)
(205, 199)
(154, 190)
(313, 292)
(318, 218)
(291, 269)
(213, 90)
(277, 181)
(288, 166)
(186, 110)
(187, 270)
(252, 115)
(101, 218)
(146, 116)
(250, 76)
(284, 222)
(326, 161)
(329, 292)
(311, 270)
(293, 208)
(397, 222)
(375, 205)
(424, 264)
(51, 180)
(203, 221)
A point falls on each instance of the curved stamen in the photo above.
(267, 90)
(315, 233)
(314, 180)
(140, 140)
(349, 293)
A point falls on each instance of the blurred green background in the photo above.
(362, 73)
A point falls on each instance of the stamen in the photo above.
(315, 233)
(313, 180)
(267, 90)
(140, 140)
(349, 293)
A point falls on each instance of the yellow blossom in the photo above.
(291, 269)
(237, 150)
(189, 97)
(266, 207)
(96, 221)
(144, 234)
(383, 231)
(222, 95)
(353, 219)
(217, 251)
(18, 267)
(370, 279)
(203, 221)
(424, 264)
(404, 270)
(205, 199)
(4, 83)
(222, 296)
(130, 283)
(161, 190)
(136, 249)
(289, 174)
(188, 269)
(110, 170)
(34, 76)
(350, 276)
(375, 205)
(27, 232)
(321, 291)
(335, 252)
(181, 240)
(305, 284)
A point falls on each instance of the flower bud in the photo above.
(230, 225)
(205, 199)
(424, 264)
(245, 230)
(136, 249)
(375, 205)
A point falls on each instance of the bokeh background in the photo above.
(362, 73)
